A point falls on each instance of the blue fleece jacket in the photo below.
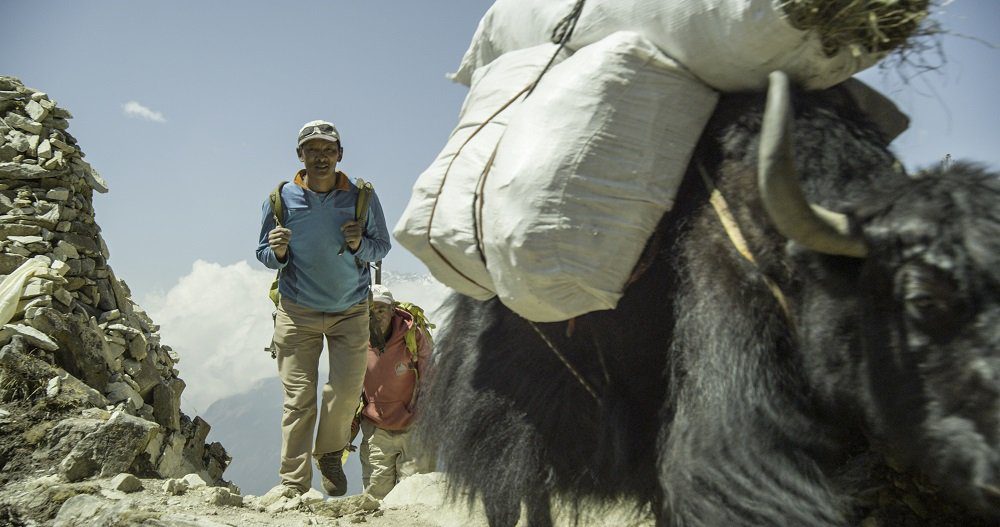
(313, 274)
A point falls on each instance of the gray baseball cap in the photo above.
(381, 293)
(319, 130)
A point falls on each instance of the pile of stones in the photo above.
(86, 387)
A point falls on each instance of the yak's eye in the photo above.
(931, 301)
(923, 306)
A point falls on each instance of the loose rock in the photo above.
(125, 483)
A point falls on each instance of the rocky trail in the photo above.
(124, 500)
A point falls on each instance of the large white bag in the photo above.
(731, 45)
(437, 225)
(586, 169)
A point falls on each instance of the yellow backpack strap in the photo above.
(365, 191)
(278, 205)
(278, 208)
(411, 342)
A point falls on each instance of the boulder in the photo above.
(24, 123)
(125, 482)
(194, 481)
(167, 404)
(172, 463)
(138, 347)
(144, 374)
(31, 335)
(82, 349)
(22, 171)
(175, 486)
(66, 434)
(120, 391)
(9, 262)
(109, 450)
(222, 496)
(55, 384)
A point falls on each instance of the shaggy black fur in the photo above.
(715, 408)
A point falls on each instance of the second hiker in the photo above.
(322, 254)
(398, 356)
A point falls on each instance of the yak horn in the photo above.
(795, 218)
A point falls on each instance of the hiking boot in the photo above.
(334, 479)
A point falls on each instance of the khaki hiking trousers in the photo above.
(387, 457)
(298, 337)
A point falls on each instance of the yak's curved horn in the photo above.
(813, 226)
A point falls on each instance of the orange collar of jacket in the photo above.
(343, 182)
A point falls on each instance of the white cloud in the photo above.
(135, 109)
(218, 320)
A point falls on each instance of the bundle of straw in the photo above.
(861, 26)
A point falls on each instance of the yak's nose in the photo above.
(991, 499)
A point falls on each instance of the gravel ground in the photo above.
(418, 502)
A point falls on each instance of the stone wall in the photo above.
(85, 383)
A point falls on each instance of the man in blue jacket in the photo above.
(322, 255)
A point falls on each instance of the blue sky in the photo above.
(953, 110)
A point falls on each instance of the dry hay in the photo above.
(862, 26)
(16, 386)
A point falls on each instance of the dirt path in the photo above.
(417, 502)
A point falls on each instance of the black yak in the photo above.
(741, 389)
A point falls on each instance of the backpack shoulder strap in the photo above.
(278, 209)
(365, 190)
(278, 205)
(410, 338)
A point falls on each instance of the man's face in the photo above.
(383, 316)
(320, 157)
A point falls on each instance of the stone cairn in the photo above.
(86, 388)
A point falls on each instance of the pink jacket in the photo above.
(392, 376)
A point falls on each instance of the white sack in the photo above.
(586, 169)
(731, 45)
(13, 285)
(443, 196)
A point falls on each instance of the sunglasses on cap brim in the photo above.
(318, 129)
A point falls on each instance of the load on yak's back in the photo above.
(810, 335)
(581, 119)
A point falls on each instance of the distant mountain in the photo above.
(391, 278)
(249, 425)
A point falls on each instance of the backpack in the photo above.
(365, 191)
(420, 323)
